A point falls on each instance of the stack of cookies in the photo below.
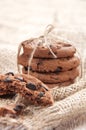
(61, 71)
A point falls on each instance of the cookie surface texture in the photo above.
(28, 86)
(56, 77)
(60, 49)
(49, 65)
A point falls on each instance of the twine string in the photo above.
(48, 29)
(32, 54)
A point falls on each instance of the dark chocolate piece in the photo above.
(26, 68)
(18, 107)
(41, 94)
(44, 87)
(59, 69)
(20, 79)
(7, 80)
(9, 96)
(10, 73)
(39, 62)
(31, 86)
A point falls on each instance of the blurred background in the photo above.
(21, 19)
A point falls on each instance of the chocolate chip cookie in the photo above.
(62, 84)
(60, 49)
(49, 65)
(56, 77)
(28, 86)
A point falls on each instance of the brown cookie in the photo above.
(28, 86)
(62, 84)
(60, 49)
(56, 77)
(50, 65)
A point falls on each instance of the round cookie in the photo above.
(56, 77)
(62, 84)
(28, 86)
(50, 65)
(60, 49)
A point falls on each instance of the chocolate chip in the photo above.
(41, 94)
(44, 87)
(59, 69)
(31, 86)
(38, 65)
(26, 68)
(10, 73)
(49, 53)
(20, 79)
(55, 53)
(68, 58)
(18, 108)
(70, 69)
(7, 80)
(39, 62)
(28, 94)
(9, 96)
(50, 45)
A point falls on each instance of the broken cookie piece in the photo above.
(32, 89)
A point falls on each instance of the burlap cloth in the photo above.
(69, 109)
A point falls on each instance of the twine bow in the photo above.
(47, 43)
